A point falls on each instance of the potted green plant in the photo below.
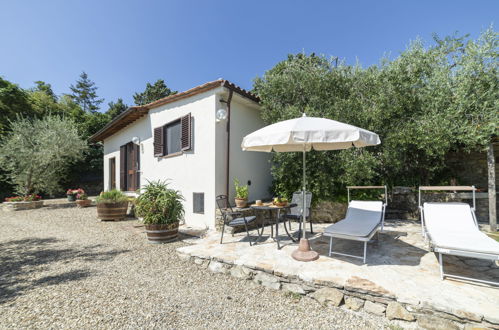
(112, 205)
(280, 201)
(161, 209)
(242, 192)
(71, 194)
(82, 198)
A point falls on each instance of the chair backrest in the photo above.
(297, 199)
(369, 211)
(447, 217)
(223, 204)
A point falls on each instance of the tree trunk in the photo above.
(491, 164)
(29, 182)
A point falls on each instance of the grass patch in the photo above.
(293, 295)
(494, 236)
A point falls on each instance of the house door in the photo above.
(130, 167)
(112, 173)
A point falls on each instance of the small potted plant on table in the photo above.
(161, 209)
(82, 199)
(242, 192)
(280, 201)
(112, 205)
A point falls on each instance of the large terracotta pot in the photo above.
(162, 233)
(83, 202)
(112, 211)
(241, 202)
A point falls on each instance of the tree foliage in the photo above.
(37, 152)
(116, 108)
(428, 101)
(153, 93)
(84, 93)
(13, 102)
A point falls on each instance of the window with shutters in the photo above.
(174, 137)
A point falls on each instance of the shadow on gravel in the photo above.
(23, 261)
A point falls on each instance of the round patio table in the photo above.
(271, 208)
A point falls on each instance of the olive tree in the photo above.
(425, 103)
(36, 153)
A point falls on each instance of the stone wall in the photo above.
(471, 168)
(19, 206)
(357, 294)
(328, 212)
(402, 204)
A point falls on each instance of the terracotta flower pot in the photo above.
(83, 202)
(162, 233)
(112, 211)
(241, 202)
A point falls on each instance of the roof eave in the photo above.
(134, 113)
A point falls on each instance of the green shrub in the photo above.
(242, 191)
(158, 204)
(112, 196)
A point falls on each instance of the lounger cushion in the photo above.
(361, 219)
(451, 226)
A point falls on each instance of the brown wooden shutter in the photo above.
(123, 168)
(137, 166)
(158, 142)
(186, 132)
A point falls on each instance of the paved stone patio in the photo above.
(399, 268)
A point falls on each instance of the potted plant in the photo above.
(161, 209)
(280, 201)
(242, 192)
(71, 194)
(112, 205)
(82, 199)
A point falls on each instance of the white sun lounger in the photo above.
(362, 221)
(452, 229)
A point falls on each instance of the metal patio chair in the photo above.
(294, 213)
(234, 219)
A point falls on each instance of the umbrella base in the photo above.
(304, 253)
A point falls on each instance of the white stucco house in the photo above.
(180, 138)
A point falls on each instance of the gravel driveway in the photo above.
(62, 268)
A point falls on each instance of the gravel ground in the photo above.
(62, 268)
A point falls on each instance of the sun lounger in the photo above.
(362, 221)
(452, 229)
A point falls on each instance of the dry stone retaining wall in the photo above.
(19, 206)
(357, 294)
(402, 204)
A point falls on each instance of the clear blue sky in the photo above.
(124, 44)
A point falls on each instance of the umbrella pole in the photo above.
(304, 202)
(304, 253)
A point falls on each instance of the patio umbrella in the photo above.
(301, 135)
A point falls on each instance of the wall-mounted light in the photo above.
(136, 140)
(221, 114)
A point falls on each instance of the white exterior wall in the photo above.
(201, 169)
(247, 165)
(192, 171)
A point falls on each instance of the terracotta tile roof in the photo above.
(134, 113)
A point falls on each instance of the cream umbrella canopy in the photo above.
(301, 135)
